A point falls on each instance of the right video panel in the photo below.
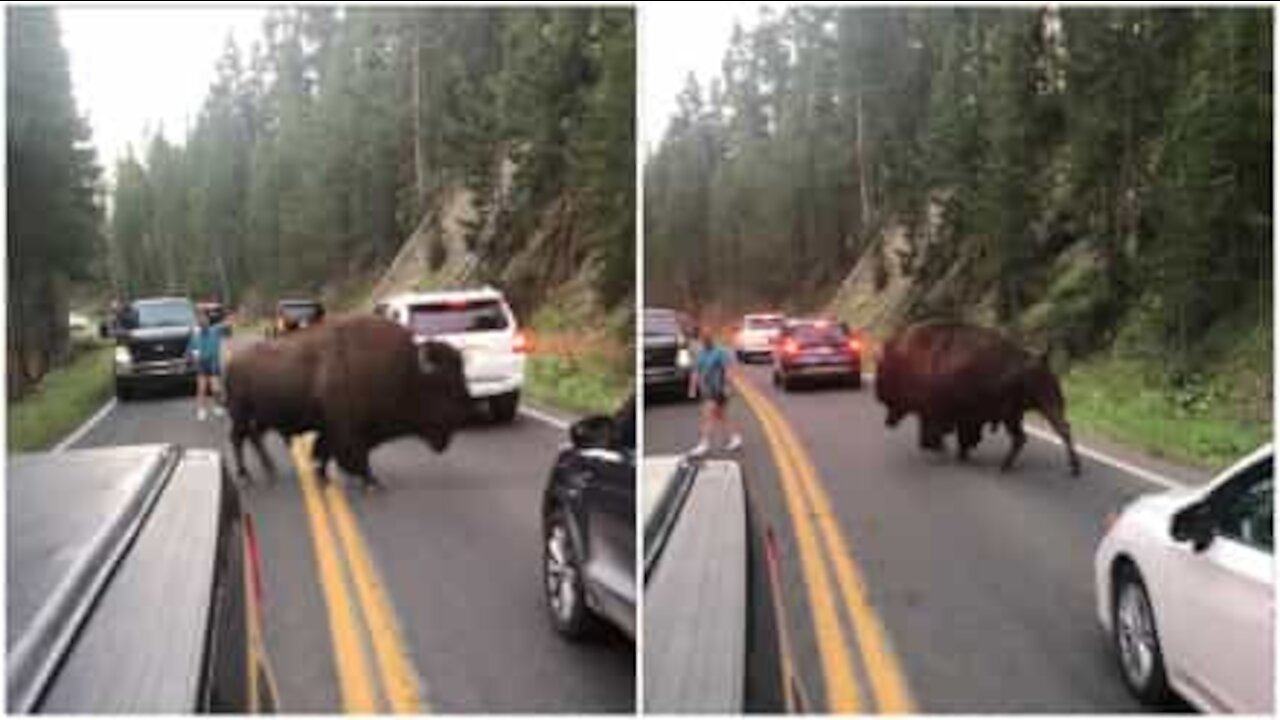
(957, 359)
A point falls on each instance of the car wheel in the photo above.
(788, 383)
(1136, 641)
(504, 407)
(562, 579)
(124, 393)
(855, 381)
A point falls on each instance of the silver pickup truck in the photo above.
(134, 585)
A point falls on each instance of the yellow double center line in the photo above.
(824, 553)
(344, 563)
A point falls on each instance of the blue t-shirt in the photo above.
(206, 342)
(712, 367)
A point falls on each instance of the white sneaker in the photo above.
(218, 411)
(699, 450)
(735, 443)
(202, 414)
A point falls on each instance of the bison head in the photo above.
(444, 379)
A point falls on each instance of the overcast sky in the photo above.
(679, 38)
(135, 68)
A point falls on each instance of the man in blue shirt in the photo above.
(205, 348)
(711, 377)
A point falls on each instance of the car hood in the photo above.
(1161, 506)
(661, 341)
(170, 332)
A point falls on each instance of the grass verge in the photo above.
(1199, 423)
(578, 363)
(63, 399)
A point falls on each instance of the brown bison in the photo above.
(357, 382)
(958, 377)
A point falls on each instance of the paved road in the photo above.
(911, 581)
(432, 588)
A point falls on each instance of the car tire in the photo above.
(124, 392)
(562, 587)
(788, 383)
(504, 407)
(1136, 640)
(855, 381)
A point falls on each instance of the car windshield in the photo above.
(299, 311)
(763, 322)
(816, 333)
(661, 324)
(447, 318)
(175, 313)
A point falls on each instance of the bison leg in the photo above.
(256, 439)
(238, 434)
(932, 434)
(1017, 437)
(356, 462)
(321, 455)
(970, 434)
(1063, 428)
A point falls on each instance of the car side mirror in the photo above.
(1194, 524)
(596, 431)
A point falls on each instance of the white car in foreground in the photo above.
(1186, 591)
(480, 324)
(756, 336)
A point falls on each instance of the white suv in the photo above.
(1186, 591)
(757, 335)
(480, 324)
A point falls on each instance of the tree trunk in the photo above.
(864, 188)
(419, 151)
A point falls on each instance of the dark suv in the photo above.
(151, 344)
(134, 585)
(668, 358)
(589, 526)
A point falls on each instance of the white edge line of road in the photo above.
(552, 420)
(1140, 473)
(85, 427)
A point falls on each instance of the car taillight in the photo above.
(790, 347)
(521, 343)
(254, 557)
(855, 345)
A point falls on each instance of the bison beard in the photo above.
(356, 382)
(960, 378)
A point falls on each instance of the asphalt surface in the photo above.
(455, 542)
(981, 581)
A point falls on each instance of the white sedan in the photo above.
(1186, 591)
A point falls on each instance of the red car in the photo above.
(817, 349)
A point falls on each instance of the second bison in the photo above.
(959, 377)
(357, 382)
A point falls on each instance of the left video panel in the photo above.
(389, 250)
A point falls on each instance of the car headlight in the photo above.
(683, 359)
(122, 356)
